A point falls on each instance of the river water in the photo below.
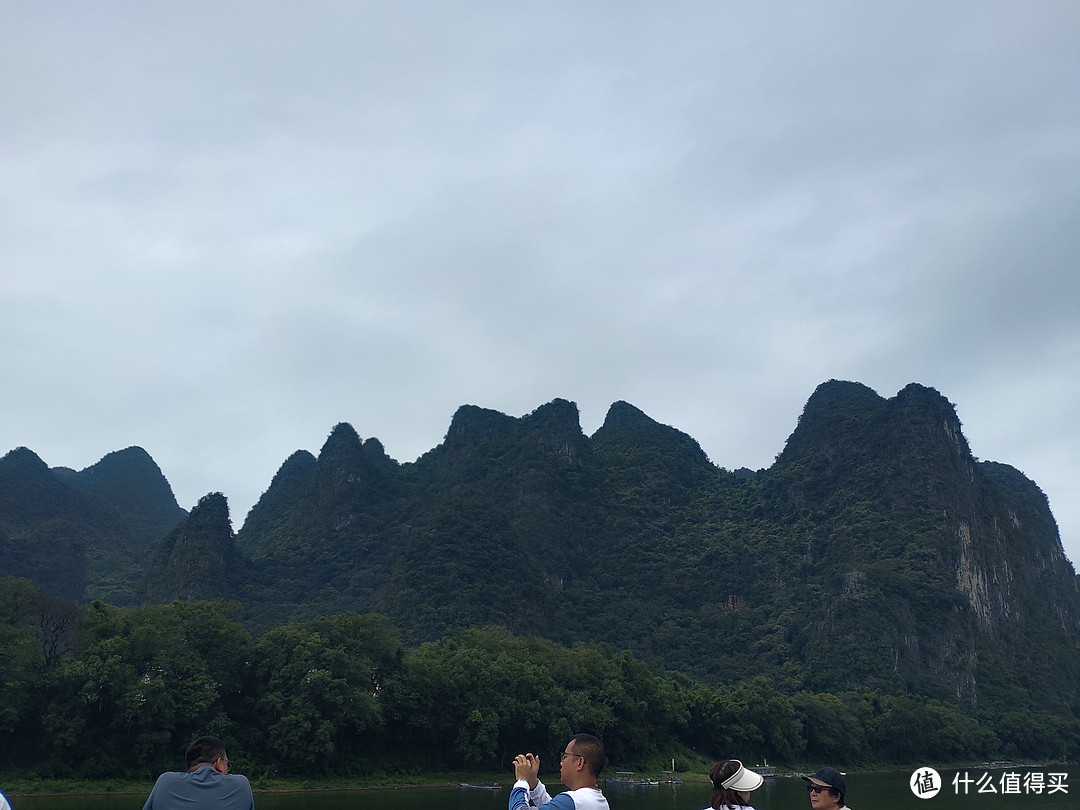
(872, 791)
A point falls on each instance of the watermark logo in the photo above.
(925, 783)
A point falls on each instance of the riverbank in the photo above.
(14, 786)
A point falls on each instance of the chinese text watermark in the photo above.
(926, 783)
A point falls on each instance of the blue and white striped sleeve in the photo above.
(521, 797)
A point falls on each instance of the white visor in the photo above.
(743, 780)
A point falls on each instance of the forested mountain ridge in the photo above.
(876, 551)
(80, 535)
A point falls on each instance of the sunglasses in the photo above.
(817, 788)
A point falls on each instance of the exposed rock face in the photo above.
(972, 581)
(951, 548)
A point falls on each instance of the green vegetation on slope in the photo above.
(341, 696)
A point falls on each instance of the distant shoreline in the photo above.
(87, 788)
(14, 786)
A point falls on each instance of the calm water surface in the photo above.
(877, 791)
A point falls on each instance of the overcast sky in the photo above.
(227, 226)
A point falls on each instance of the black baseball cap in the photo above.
(831, 778)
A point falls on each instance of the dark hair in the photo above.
(591, 750)
(721, 796)
(205, 750)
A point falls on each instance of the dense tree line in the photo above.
(105, 691)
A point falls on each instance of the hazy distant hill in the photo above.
(875, 551)
(83, 535)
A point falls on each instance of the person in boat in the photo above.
(580, 765)
(206, 782)
(827, 789)
(732, 783)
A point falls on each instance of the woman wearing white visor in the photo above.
(732, 785)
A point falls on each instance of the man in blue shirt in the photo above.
(579, 767)
(206, 783)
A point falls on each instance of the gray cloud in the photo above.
(229, 226)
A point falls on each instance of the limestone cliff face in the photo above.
(929, 559)
(1010, 564)
(1022, 551)
(973, 582)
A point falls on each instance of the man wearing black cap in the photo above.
(827, 788)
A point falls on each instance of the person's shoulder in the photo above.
(588, 798)
(239, 779)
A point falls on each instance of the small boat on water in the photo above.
(766, 770)
(627, 779)
(669, 777)
(479, 785)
